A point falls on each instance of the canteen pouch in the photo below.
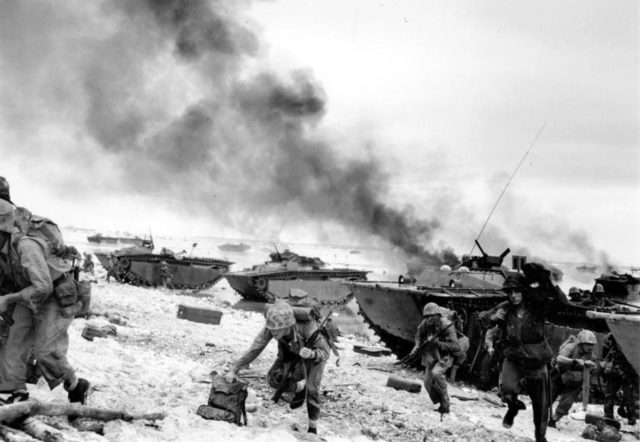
(65, 290)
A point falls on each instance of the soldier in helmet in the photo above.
(165, 274)
(619, 375)
(39, 327)
(303, 360)
(5, 193)
(526, 353)
(575, 295)
(437, 341)
(567, 374)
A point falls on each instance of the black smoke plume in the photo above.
(240, 144)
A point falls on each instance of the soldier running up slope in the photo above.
(567, 374)
(526, 351)
(39, 328)
(88, 265)
(436, 340)
(302, 356)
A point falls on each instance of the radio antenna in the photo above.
(507, 185)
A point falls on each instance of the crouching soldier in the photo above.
(436, 341)
(39, 328)
(567, 374)
(302, 355)
(526, 350)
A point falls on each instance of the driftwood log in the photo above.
(43, 432)
(9, 434)
(33, 407)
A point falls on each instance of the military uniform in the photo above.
(619, 374)
(568, 372)
(39, 329)
(526, 351)
(490, 364)
(438, 355)
(289, 350)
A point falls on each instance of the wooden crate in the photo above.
(198, 314)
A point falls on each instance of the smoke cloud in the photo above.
(166, 91)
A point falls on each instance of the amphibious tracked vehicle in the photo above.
(393, 310)
(138, 266)
(286, 270)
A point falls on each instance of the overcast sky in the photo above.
(332, 121)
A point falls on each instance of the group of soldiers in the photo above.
(40, 330)
(528, 364)
(34, 323)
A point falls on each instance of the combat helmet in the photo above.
(279, 316)
(5, 193)
(7, 217)
(573, 290)
(587, 337)
(514, 282)
(431, 309)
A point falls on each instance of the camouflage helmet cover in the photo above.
(431, 309)
(7, 217)
(573, 290)
(587, 337)
(279, 316)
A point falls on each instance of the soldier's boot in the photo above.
(512, 411)
(80, 392)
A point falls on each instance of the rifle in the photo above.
(586, 386)
(296, 360)
(422, 346)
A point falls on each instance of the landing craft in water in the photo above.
(394, 309)
(587, 268)
(136, 241)
(239, 248)
(273, 279)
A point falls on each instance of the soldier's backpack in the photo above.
(73, 296)
(39, 227)
(570, 340)
(226, 401)
(463, 341)
(306, 308)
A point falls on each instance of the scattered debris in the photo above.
(199, 314)
(410, 385)
(371, 350)
(96, 330)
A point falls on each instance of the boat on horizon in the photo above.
(229, 247)
(587, 268)
(98, 238)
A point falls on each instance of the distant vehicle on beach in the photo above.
(228, 247)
